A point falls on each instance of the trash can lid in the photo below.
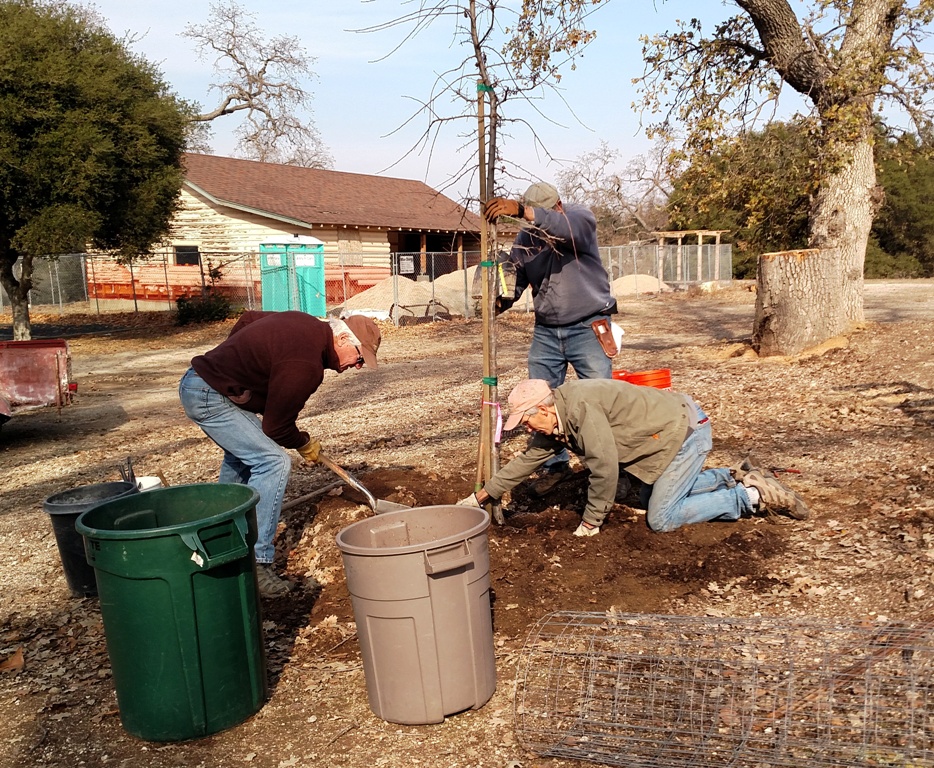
(162, 511)
(85, 496)
(413, 530)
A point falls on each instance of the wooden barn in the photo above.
(229, 206)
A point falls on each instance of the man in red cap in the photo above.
(268, 366)
(660, 437)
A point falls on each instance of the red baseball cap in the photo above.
(524, 397)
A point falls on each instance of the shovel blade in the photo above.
(388, 506)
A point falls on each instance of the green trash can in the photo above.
(177, 585)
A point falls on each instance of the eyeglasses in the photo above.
(526, 416)
(360, 361)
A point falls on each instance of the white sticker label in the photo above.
(198, 560)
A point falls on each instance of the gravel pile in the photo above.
(627, 285)
(448, 290)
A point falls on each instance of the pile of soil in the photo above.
(449, 292)
(851, 428)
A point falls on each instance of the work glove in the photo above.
(583, 530)
(502, 304)
(501, 206)
(470, 501)
(310, 450)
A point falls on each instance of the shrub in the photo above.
(203, 309)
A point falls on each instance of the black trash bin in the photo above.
(63, 509)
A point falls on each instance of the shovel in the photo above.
(378, 505)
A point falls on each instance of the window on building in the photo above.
(187, 255)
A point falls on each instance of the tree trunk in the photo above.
(18, 293)
(799, 301)
(841, 218)
(806, 297)
(22, 330)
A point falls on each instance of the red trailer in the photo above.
(34, 374)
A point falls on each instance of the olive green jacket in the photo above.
(609, 424)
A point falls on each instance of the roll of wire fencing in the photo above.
(642, 690)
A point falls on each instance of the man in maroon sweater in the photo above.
(268, 366)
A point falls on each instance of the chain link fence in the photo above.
(408, 288)
(677, 266)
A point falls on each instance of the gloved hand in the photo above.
(501, 206)
(470, 501)
(502, 304)
(310, 450)
(584, 530)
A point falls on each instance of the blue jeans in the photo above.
(685, 494)
(553, 348)
(250, 458)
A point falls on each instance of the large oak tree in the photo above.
(845, 58)
(91, 143)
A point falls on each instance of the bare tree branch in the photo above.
(626, 203)
(486, 28)
(265, 81)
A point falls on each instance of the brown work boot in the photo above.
(550, 478)
(749, 464)
(269, 582)
(775, 497)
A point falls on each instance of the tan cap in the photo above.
(541, 195)
(524, 397)
(367, 331)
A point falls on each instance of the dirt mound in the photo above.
(449, 293)
(417, 296)
(630, 284)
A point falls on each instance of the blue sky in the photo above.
(365, 92)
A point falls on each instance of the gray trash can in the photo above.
(419, 581)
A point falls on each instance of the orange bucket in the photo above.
(659, 378)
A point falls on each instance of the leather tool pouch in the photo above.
(605, 336)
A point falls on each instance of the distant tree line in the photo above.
(760, 185)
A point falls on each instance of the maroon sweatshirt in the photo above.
(270, 364)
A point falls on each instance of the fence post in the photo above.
(635, 272)
(133, 286)
(393, 260)
(97, 303)
(165, 274)
(434, 309)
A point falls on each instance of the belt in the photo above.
(694, 423)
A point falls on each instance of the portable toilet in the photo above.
(292, 274)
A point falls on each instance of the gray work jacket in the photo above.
(608, 423)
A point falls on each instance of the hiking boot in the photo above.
(269, 582)
(739, 471)
(586, 529)
(551, 478)
(775, 497)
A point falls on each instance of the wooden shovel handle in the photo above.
(348, 478)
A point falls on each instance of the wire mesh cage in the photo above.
(640, 690)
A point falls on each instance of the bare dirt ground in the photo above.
(854, 423)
